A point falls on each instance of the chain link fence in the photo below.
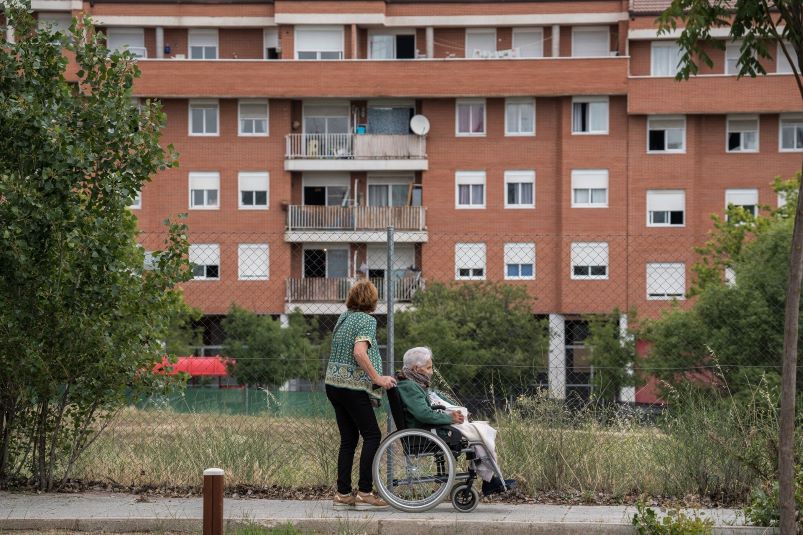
(546, 336)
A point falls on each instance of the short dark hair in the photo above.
(362, 296)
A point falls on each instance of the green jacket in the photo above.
(417, 410)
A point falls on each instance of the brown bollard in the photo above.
(213, 501)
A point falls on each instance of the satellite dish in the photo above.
(419, 125)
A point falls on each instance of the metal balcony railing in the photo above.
(305, 217)
(356, 147)
(335, 290)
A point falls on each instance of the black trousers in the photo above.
(355, 417)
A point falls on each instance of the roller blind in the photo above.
(666, 200)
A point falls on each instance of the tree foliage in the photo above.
(613, 353)
(478, 332)
(741, 325)
(266, 353)
(81, 319)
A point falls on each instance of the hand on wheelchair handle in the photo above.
(386, 381)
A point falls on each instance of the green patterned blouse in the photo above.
(342, 369)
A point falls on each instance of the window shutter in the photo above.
(320, 39)
(253, 261)
(590, 42)
(519, 253)
(204, 181)
(253, 181)
(666, 278)
(529, 42)
(590, 179)
(742, 197)
(125, 38)
(666, 200)
(589, 254)
(469, 255)
(205, 254)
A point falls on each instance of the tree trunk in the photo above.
(786, 439)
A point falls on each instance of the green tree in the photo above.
(480, 333)
(81, 320)
(266, 353)
(613, 354)
(759, 25)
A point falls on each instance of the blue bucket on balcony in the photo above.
(361, 129)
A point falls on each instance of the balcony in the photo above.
(355, 152)
(425, 78)
(364, 224)
(712, 94)
(328, 295)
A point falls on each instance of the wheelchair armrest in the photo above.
(438, 408)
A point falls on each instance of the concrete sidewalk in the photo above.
(126, 513)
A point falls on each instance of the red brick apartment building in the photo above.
(560, 153)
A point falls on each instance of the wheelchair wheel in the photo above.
(413, 470)
(465, 498)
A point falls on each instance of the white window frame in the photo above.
(664, 44)
(203, 175)
(665, 296)
(512, 255)
(658, 193)
(138, 51)
(795, 119)
(136, 202)
(479, 31)
(531, 29)
(332, 28)
(253, 175)
(270, 36)
(202, 34)
(216, 252)
(243, 251)
(520, 177)
(246, 101)
(652, 118)
(779, 57)
(602, 246)
(519, 101)
(470, 178)
(590, 29)
(742, 191)
(589, 101)
(728, 120)
(599, 174)
(484, 253)
(730, 47)
(389, 32)
(469, 102)
(203, 103)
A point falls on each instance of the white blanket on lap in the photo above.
(475, 432)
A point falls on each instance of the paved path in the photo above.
(125, 513)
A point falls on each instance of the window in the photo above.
(204, 189)
(791, 132)
(253, 261)
(253, 190)
(590, 188)
(389, 194)
(520, 117)
(480, 43)
(781, 199)
(270, 41)
(591, 41)
(666, 281)
(136, 204)
(519, 261)
(666, 134)
(519, 189)
(528, 42)
(732, 54)
(470, 117)
(730, 276)
(323, 42)
(253, 117)
(470, 189)
(666, 56)
(203, 44)
(55, 22)
(204, 116)
(392, 45)
(205, 260)
(782, 65)
(746, 198)
(590, 115)
(131, 39)
(589, 260)
(666, 208)
(469, 261)
(742, 134)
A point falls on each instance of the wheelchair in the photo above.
(416, 469)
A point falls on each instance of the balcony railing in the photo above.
(356, 147)
(335, 290)
(303, 217)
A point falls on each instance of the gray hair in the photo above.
(417, 357)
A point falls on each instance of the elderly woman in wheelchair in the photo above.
(416, 467)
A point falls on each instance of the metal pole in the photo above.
(391, 338)
(213, 501)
